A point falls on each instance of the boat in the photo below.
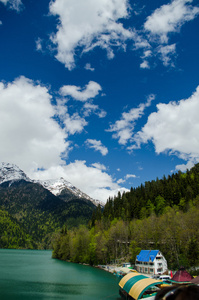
(134, 286)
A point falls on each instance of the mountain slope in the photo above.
(65, 190)
(38, 211)
(11, 172)
(12, 233)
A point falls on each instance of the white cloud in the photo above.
(97, 145)
(39, 44)
(119, 181)
(91, 180)
(72, 124)
(90, 108)
(84, 25)
(32, 139)
(165, 53)
(145, 65)
(122, 180)
(29, 136)
(130, 176)
(88, 67)
(75, 123)
(187, 166)
(99, 166)
(124, 127)
(164, 21)
(91, 90)
(169, 18)
(13, 4)
(174, 128)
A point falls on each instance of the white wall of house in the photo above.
(157, 266)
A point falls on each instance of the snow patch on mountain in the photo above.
(58, 185)
(11, 172)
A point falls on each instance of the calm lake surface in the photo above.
(34, 275)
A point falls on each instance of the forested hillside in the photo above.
(162, 214)
(12, 233)
(31, 214)
(179, 190)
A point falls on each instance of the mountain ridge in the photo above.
(11, 172)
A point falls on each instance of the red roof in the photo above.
(182, 275)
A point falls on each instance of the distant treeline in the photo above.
(161, 214)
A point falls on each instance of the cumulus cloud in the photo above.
(99, 166)
(90, 108)
(74, 124)
(164, 21)
(39, 44)
(88, 67)
(91, 90)
(89, 179)
(145, 65)
(13, 4)
(32, 138)
(124, 128)
(166, 52)
(128, 176)
(97, 145)
(174, 128)
(28, 133)
(84, 25)
(119, 181)
(169, 18)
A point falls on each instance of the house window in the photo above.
(151, 270)
(146, 270)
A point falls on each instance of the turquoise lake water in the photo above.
(34, 275)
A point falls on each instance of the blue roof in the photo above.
(146, 255)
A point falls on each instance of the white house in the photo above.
(151, 262)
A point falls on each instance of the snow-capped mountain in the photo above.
(57, 186)
(11, 172)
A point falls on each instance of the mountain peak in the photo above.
(10, 172)
(56, 186)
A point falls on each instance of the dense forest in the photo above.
(13, 234)
(161, 214)
(30, 215)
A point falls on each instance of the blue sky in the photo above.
(104, 93)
